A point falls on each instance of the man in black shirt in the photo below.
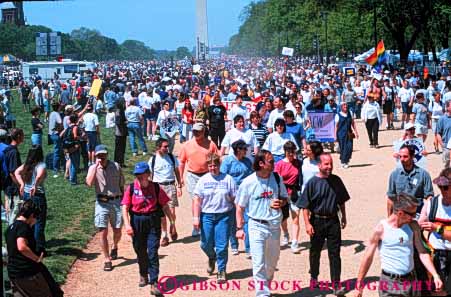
(12, 161)
(25, 90)
(323, 196)
(216, 121)
(29, 277)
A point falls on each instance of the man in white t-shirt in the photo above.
(262, 195)
(238, 109)
(164, 171)
(91, 123)
(277, 113)
(405, 94)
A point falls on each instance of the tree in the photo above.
(135, 50)
(182, 52)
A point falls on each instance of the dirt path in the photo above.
(366, 181)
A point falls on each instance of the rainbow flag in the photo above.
(378, 56)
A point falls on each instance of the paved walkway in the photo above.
(183, 260)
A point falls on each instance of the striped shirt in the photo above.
(260, 133)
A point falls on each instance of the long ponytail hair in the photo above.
(34, 157)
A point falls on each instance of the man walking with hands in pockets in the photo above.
(264, 194)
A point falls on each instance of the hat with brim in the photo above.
(198, 127)
(442, 181)
(140, 168)
(101, 149)
(409, 126)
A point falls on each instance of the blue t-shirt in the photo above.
(421, 113)
(133, 114)
(298, 132)
(238, 169)
(444, 127)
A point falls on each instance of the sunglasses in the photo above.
(410, 214)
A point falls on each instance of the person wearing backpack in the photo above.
(11, 161)
(397, 238)
(143, 205)
(71, 146)
(435, 218)
(264, 195)
(164, 171)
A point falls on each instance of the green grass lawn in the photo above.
(70, 221)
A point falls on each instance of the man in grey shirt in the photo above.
(444, 132)
(409, 179)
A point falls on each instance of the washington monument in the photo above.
(201, 30)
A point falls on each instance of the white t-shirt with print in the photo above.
(217, 193)
(164, 170)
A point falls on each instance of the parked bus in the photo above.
(47, 70)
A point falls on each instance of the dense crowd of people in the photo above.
(249, 159)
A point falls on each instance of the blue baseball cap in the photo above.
(141, 167)
(101, 149)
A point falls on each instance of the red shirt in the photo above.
(143, 200)
(289, 171)
(187, 116)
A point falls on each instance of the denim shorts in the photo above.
(420, 129)
(406, 108)
(108, 212)
(92, 140)
(434, 125)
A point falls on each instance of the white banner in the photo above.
(287, 51)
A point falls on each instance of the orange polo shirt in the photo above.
(195, 156)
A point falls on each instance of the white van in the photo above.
(47, 70)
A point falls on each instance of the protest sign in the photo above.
(95, 88)
(419, 158)
(323, 124)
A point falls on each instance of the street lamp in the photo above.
(324, 16)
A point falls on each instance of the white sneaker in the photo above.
(295, 248)
(144, 153)
(285, 240)
(155, 137)
(235, 252)
(149, 137)
(135, 154)
(345, 166)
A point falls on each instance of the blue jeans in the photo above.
(135, 130)
(247, 246)
(36, 139)
(214, 237)
(233, 239)
(351, 107)
(74, 165)
(146, 242)
(56, 152)
(39, 228)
